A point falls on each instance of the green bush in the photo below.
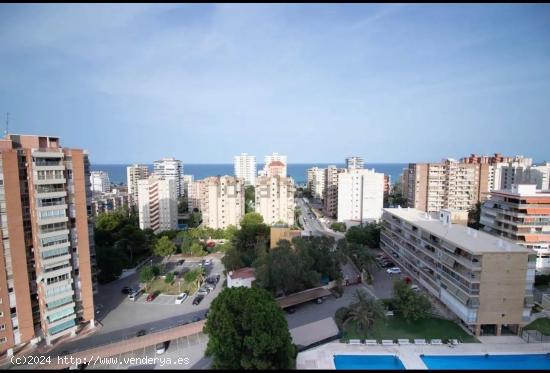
(340, 316)
(156, 270)
(169, 278)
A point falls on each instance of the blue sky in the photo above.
(392, 83)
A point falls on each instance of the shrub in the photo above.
(169, 278)
(340, 316)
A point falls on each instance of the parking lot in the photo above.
(181, 353)
(121, 318)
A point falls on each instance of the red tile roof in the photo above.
(246, 272)
(276, 163)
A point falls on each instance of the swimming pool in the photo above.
(366, 362)
(539, 361)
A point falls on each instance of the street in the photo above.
(312, 225)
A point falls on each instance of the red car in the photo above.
(151, 296)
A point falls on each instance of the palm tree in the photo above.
(365, 311)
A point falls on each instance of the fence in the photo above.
(534, 336)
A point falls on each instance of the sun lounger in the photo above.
(419, 341)
(436, 342)
(354, 342)
(371, 342)
(387, 342)
(403, 342)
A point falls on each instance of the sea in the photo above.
(298, 171)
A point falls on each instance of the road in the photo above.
(311, 224)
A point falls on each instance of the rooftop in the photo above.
(524, 190)
(474, 241)
(246, 272)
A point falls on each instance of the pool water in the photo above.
(528, 362)
(366, 362)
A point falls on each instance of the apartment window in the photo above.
(3, 340)
(3, 327)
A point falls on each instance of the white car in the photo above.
(394, 271)
(160, 348)
(181, 298)
(415, 288)
(207, 262)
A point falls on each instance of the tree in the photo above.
(164, 247)
(338, 227)
(368, 235)
(249, 198)
(474, 215)
(146, 274)
(196, 249)
(169, 278)
(365, 311)
(247, 330)
(232, 259)
(411, 305)
(252, 218)
(110, 263)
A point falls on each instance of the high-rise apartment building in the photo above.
(275, 199)
(354, 162)
(47, 261)
(360, 196)
(109, 202)
(522, 215)
(157, 204)
(245, 168)
(100, 182)
(273, 158)
(316, 182)
(170, 169)
(330, 198)
(521, 171)
(222, 202)
(447, 185)
(485, 281)
(135, 173)
(186, 181)
(196, 194)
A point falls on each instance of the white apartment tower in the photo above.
(222, 202)
(157, 204)
(316, 181)
(360, 195)
(100, 182)
(354, 162)
(245, 168)
(134, 173)
(170, 169)
(275, 199)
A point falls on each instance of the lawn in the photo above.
(542, 325)
(397, 328)
(174, 288)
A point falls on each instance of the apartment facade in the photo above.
(330, 197)
(360, 196)
(521, 215)
(186, 181)
(47, 261)
(485, 281)
(447, 185)
(245, 168)
(170, 169)
(354, 162)
(135, 173)
(275, 199)
(222, 202)
(157, 204)
(196, 192)
(100, 182)
(316, 182)
(109, 202)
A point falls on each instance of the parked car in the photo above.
(290, 309)
(203, 291)
(198, 299)
(151, 296)
(210, 286)
(207, 262)
(214, 279)
(319, 300)
(180, 262)
(126, 290)
(389, 265)
(160, 348)
(394, 270)
(415, 288)
(181, 298)
(134, 295)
